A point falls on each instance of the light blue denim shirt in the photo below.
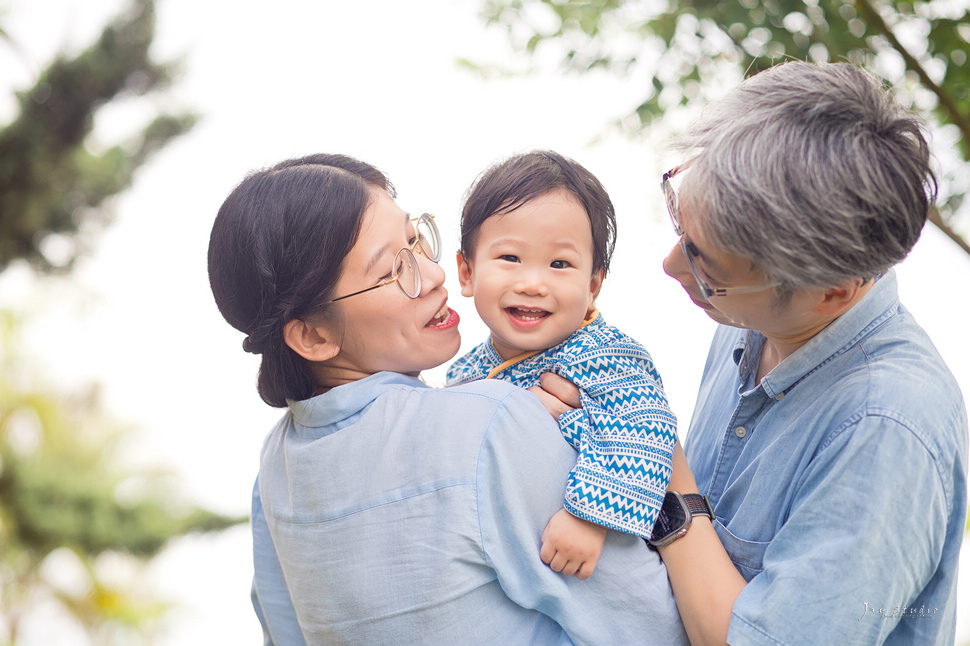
(387, 512)
(839, 481)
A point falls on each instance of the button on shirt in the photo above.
(388, 512)
(838, 481)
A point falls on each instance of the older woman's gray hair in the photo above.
(813, 172)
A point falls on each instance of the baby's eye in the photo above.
(509, 258)
(560, 264)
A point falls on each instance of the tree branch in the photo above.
(946, 102)
(958, 119)
(934, 217)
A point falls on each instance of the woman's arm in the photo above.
(702, 576)
(270, 596)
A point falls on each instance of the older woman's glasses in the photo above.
(405, 271)
(673, 209)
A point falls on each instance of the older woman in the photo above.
(829, 438)
(829, 435)
(386, 511)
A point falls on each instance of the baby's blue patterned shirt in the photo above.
(625, 432)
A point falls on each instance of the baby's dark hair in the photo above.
(509, 184)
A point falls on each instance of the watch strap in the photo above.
(698, 505)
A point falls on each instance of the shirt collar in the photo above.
(845, 332)
(593, 322)
(345, 401)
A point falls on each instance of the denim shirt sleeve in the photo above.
(522, 466)
(269, 593)
(846, 551)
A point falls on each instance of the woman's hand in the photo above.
(557, 394)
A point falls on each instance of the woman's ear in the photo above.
(312, 342)
(465, 275)
(836, 300)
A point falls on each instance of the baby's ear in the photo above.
(465, 275)
(595, 284)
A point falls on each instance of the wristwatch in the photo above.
(675, 516)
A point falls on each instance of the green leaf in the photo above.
(756, 35)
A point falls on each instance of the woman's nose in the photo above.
(675, 265)
(432, 275)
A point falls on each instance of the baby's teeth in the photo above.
(523, 314)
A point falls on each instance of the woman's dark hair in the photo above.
(276, 252)
(511, 183)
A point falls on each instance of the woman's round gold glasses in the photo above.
(405, 271)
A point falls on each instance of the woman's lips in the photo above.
(445, 319)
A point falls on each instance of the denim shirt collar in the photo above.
(877, 306)
(345, 402)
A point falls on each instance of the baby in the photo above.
(537, 234)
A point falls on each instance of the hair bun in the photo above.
(249, 345)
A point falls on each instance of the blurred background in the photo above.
(130, 426)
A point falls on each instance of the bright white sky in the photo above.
(376, 79)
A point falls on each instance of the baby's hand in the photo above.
(571, 545)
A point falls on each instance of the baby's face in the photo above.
(532, 273)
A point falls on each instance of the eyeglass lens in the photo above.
(670, 195)
(673, 206)
(706, 290)
(406, 273)
(428, 237)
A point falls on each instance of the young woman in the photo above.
(386, 511)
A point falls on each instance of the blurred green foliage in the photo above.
(63, 489)
(77, 528)
(51, 183)
(683, 52)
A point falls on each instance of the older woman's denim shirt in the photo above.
(387, 512)
(838, 481)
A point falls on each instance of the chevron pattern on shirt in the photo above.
(625, 432)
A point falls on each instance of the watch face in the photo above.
(671, 519)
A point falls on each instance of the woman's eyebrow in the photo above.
(375, 258)
(383, 251)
